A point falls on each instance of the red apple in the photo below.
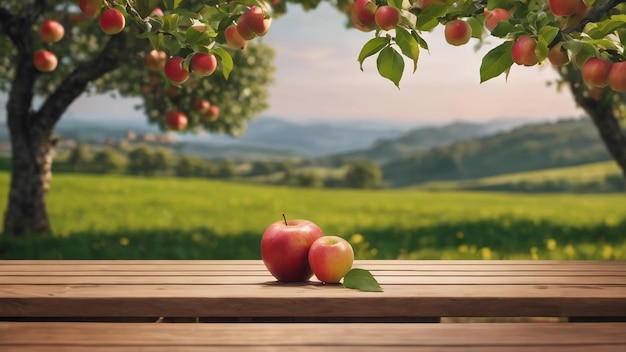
(330, 258)
(596, 71)
(617, 77)
(203, 64)
(158, 12)
(564, 7)
(285, 249)
(493, 17)
(582, 8)
(51, 31)
(174, 70)
(212, 113)
(201, 105)
(172, 92)
(363, 15)
(387, 17)
(91, 8)
(234, 40)
(596, 93)
(523, 51)
(253, 23)
(112, 21)
(457, 32)
(45, 61)
(176, 120)
(558, 55)
(155, 60)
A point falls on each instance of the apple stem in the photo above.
(285, 219)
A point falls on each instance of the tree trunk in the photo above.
(31, 131)
(32, 154)
(601, 105)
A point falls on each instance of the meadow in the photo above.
(121, 217)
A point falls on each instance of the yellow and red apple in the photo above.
(457, 32)
(331, 258)
(51, 31)
(176, 120)
(175, 71)
(45, 61)
(595, 72)
(203, 64)
(112, 21)
(523, 51)
(253, 23)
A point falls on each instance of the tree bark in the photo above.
(31, 131)
(601, 106)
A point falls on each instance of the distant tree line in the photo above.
(144, 160)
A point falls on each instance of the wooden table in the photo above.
(46, 305)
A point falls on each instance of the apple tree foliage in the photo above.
(593, 28)
(92, 62)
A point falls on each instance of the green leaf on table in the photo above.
(361, 279)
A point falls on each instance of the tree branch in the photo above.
(109, 58)
(594, 14)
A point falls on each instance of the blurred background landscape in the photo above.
(444, 168)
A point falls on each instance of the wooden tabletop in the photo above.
(384, 337)
(245, 290)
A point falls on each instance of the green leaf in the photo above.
(542, 48)
(170, 22)
(423, 44)
(361, 279)
(497, 61)
(548, 33)
(390, 65)
(172, 4)
(581, 51)
(601, 29)
(395, 3)
(370, 48)
(477, 27)
(434, 10)
(426, 24)
(145, 7)
(196, 39)
(227, 61)
(408, 44)
(492, 4)
(502, 29)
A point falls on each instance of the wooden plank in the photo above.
(461, 266)
(264, 272)
(325, 348)
(331, 336)
(252, 279)
(385, 262)
(311, 300)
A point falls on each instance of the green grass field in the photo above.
(571, 175)
(125, 217)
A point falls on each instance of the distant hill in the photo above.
(424, 138)
(526, 148)
(265, 137)
(305, 139)
(593, 177)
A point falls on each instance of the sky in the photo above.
(318, 79)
